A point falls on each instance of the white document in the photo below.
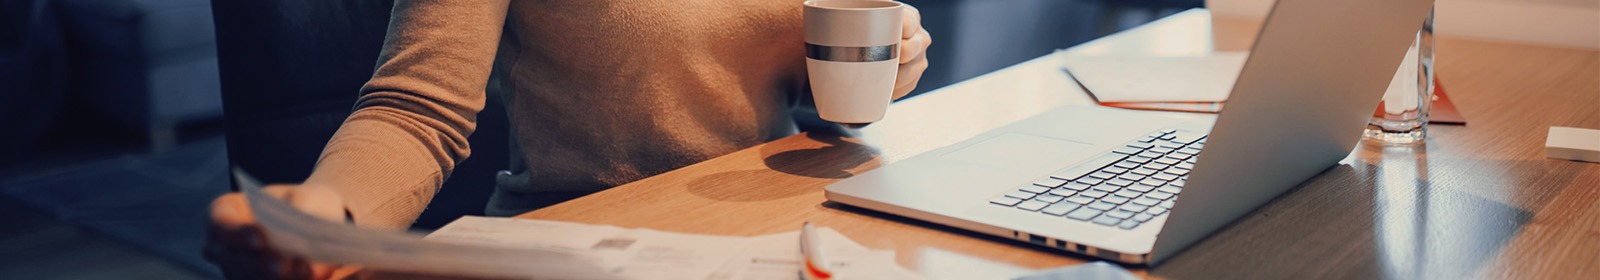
(1157, 79)
(291, 231)
(651, 254)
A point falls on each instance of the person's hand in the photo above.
(914, 43)
(237, 245)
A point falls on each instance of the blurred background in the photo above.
(116, 114)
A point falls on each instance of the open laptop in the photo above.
(1105, 182)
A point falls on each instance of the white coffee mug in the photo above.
(852, 55)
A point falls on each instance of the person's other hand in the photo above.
(236, 243)
(914, 43)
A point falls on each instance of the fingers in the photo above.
(911, 22)
(909, 75)
(915, 47)
(237, 244)
(231, 211)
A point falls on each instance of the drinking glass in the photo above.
(1402, 117)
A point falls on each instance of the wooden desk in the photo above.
(1477, 201)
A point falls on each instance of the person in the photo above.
(598, 92)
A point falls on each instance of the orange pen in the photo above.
(815, 262)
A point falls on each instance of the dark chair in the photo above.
(290, 73)
(32, 70)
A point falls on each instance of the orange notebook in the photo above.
(1443, 112)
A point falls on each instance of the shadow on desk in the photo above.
(798, 159)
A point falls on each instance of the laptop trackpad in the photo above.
(1015, 150)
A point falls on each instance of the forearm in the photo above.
(410, 126)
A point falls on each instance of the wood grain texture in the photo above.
(1477, 201)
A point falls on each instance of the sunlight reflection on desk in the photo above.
(1425, 231)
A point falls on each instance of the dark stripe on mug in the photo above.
(853, 54)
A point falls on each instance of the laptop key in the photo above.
(1151, 154)
(1177, 156)
(1147, 139)
(1059, 209)
(1104, 220)
(1032, 205)
(1133, 208)
(1128, 193)
(1146, 171)
(1167, 137)
(1158, 210)
(1146, 201)
(1167, 204)
(1130, 177)
(1177, 172)
(1156, 166)
(1102, 205)
(1128, 224)
(1185, 137)
(1084, 214)
(1091, 181)
(1049, 198)
(1143, 217)
(1114, 169)
(1103, 175)
(1127, 150)
(1141, 146)
(1165, 177)
(1141, 188)
(1107, 221)
(1107, 188)
(1178, 183)
(1063, 192)
(1005, 201)
(1120, 182)
(1139, 159)
(1152, 182)
(1169, 188)
(1093, 193)
(1020, 194)
(1167, 161)
(1079, 200)
(1159, 195)
(1126, 165)
(1171, 145)
(1116, 199)
(1162, 150)
(1076, 186)
(1119, 214)
(1034, 189)
(1049, 182)
(1168, 130)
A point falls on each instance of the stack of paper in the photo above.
(502, 248)
(651, 254)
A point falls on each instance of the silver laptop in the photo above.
(1106, 182)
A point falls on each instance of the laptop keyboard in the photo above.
(1126, 187)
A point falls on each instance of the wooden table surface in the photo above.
(1478, 200)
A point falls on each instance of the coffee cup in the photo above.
(852, 57)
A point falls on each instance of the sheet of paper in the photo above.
(777, 256)
(651, 254)
(291, 231)
(1157, 79)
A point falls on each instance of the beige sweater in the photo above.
(599, 93)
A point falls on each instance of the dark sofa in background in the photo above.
(148, 64)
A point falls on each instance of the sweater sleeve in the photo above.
(410, 125)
